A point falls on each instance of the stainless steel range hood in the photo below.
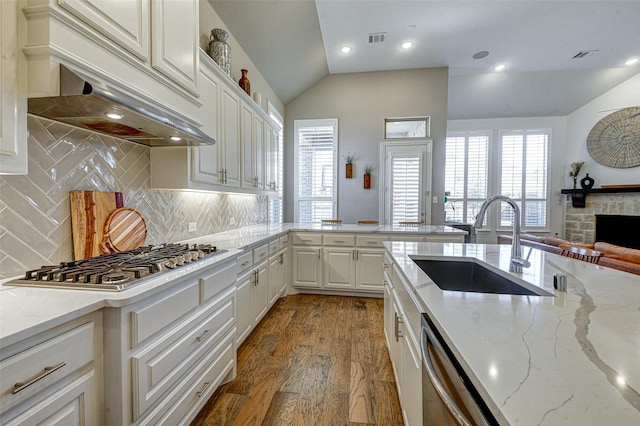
(96, 107)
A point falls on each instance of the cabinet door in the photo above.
(205, 160)
(258, 150)
(369, 269)
(259, 299)
(286, 271)
(411, 401)
(13, 104)
(230, 136)
(126, 23)
(275, 277)
(307, 267)
(247, 169)
(244, 321)
(271, 158)
(339, 268)
(175, 41)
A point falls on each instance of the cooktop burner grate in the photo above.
(117, 271)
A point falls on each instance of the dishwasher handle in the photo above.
(425, 340)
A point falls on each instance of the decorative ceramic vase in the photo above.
(244, 82)
(367, 181)
(587, 182)
(219, 50)
(349, 170)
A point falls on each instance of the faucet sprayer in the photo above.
(517, 262)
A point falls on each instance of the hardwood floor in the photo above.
(312, 360)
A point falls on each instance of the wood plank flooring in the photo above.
(312, 360)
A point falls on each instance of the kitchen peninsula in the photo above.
(571, 358)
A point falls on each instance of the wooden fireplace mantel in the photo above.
(579, 196)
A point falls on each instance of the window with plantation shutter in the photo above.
(523, 176)
(466, 175)
(405, 181)
(315, 169)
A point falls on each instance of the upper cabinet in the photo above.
(146, 48)
(13, 106)
(240, 158)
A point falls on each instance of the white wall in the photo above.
(209, 20)
(580, 123)
(361, 102)
(556, 159)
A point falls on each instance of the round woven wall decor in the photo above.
(615, 140)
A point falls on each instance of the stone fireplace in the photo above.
(580, 223)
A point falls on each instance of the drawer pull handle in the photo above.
(47, 370)
(338, 241)
(244, 263)
(203, 389)
(204, 333)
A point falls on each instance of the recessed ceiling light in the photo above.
(114, 116)
(407, 45)
(176, 138)
(345, 49)
(500, 67)
(632, 61)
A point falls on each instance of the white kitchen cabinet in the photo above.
(272, 181)
(13, 83)
(369, 269)
(160, 348)
(175, 41)
(307, 266)
(126, 24)
(276, 276)
(55, 377)
(230, 134)
(245, 321)
(252, 150)
(400, 327)
(260, 297)
(339, 268)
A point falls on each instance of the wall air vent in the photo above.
(377, 38)
(583, 53)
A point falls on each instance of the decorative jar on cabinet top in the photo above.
(219, 50)
(244, 82)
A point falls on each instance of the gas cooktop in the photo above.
(117, 271)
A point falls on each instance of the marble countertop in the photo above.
(26, 311)
(540, 360)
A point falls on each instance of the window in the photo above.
(315, 169)
(523, 176)
(466, 181)
(407, 127)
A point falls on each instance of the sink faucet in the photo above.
(517, 262)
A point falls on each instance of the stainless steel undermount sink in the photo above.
(467, 275)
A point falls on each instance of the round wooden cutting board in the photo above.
(124, 229)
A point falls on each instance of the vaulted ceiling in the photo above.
(296, 43)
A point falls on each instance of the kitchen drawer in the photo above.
(219, 277)
(245, 261)
(261, 253)
(157, 368)
(44, 364)
(152, 317)
(307, 239)
(339, 240)
(187, 398)
(371, 240)
(274, 246)
(284, 240)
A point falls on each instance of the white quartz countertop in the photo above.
(26, 311)
(538, 360)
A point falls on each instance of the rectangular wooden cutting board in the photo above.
(89, 210)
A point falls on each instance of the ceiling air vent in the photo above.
(377, 38)
(583, 53)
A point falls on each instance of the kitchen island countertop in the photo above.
(539, 360)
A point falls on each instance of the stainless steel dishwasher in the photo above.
(448, 396)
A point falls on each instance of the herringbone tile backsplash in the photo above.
(35, 224)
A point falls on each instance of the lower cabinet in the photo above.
(339, 268)
(403, 346)
(306, 267)
(167, 354)
(56, 378)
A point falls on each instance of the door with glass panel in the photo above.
(406, 177)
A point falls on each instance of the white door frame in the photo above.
(426, 177)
